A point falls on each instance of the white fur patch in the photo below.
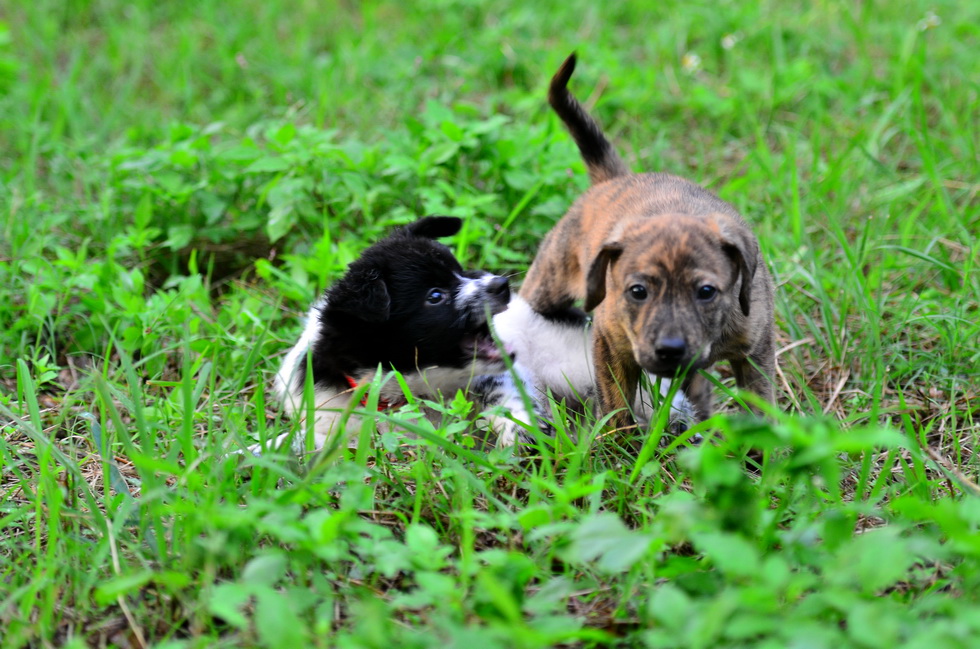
(328, 402)
(558, 356)
(469, 290)
(295, 361)
(472, 292)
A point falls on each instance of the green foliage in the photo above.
(177, 185)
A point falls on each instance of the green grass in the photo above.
(177, 182)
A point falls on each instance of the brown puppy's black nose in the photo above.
(671, 349)
(498, 286)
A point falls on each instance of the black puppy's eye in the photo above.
(707, 293)
(638, 292)
(436, 296)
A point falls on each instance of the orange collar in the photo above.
(383, 404)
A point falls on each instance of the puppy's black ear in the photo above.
(743, 249)
(434, 227)
(361, 293)
(595, 281)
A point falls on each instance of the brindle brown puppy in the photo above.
(675, 276)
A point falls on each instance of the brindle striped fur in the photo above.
(672, 238)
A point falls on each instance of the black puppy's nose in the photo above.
(498, 286)
(671, 349)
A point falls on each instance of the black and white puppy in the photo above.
(405, 304)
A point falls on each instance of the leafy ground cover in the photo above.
(178, 181)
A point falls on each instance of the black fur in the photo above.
(378, 314)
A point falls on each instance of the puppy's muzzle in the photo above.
(671, 350)
(498, 294)
(481, 297)
(481, 293)
(671, 356)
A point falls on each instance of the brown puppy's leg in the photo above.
(758, 379)
(758, 371)
(755, 373)
(697, 389)
(617, 374)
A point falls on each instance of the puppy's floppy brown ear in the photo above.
(363, 294)
(434, 227)
(743, 249)
(595, 281)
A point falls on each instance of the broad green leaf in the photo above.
(670, 606)
(265, 570)
(277, 620)
(226, 602)
(731, 553)
(120, 585)
(268, 164)
(605, 539)
(178, 236)
(874, 560)
(874, 624)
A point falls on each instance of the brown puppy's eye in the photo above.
(707, 293)
(435, 296)
(638, 292)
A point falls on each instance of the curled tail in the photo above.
(599, 155)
